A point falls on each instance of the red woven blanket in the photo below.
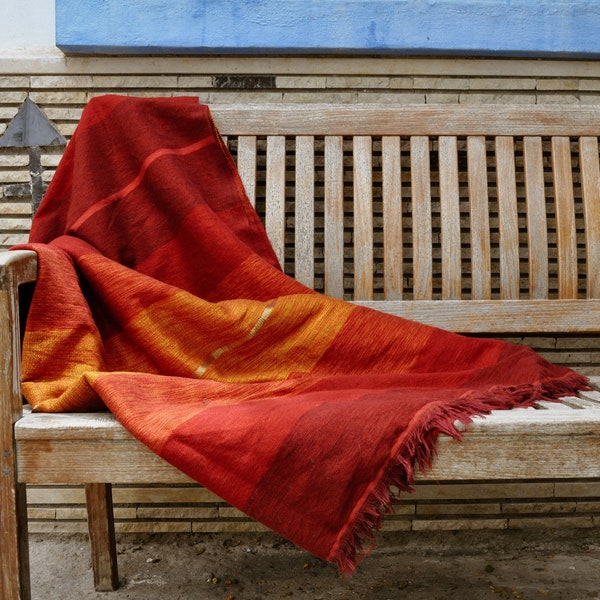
(160, 298)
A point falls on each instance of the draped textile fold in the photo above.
(160, 298)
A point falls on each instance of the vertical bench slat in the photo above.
(392, 217)
(275, 195)
(590, 181)
(334, 216)
(507, 217)
(421, 213)
(481, 270)
(304, 244)
(565, 217)
(363, 218)
(450, 218)
(537, 223)
(246, 164)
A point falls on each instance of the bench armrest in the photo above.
(16, 267)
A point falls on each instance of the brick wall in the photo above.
(193, 509)
(62, 86)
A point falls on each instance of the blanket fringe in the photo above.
(420, 448)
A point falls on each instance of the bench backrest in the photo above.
(478, 219)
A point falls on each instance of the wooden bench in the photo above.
(482, 220)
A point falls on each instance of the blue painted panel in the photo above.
(467, 27)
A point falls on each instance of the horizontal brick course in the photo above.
(14, 224)
(431, 507)
(8, 240)
(459, 524)
(13, 160)
(555, 523)
(179, 513)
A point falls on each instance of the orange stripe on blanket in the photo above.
(132, 185)
(300, 328)
(183, 331)
(73, 394)
(80, 352)
(201, 370)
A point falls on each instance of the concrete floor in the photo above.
(464, 565)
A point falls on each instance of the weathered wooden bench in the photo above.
(481, 220)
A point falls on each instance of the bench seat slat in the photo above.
(591, 397)
(64, 448)
(103, 427)
(554, 406)
(582, 401)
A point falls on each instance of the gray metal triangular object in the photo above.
(30, 127)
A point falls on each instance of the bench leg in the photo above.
(101, 526)
(14, 542)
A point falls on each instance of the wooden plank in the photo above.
(495, 449)
(363, 217)
(275, 195)
(421, 214)
(507, 218)
(555, 406)
(246, 165)
(590, 182)
(124, 461)
(392, 218)
(499, 316)
(481, 269)
(592, 397)
(14, 556)
(537, 226)
(334, 216)
(431, 120)
(70, 427)
(15, 268)
(304, 243)
(580, 402)
(101, 526)
(565, 217)
(568, 440)
(450, 218)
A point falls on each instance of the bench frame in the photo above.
(64, 448)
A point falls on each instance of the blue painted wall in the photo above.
(464, 27)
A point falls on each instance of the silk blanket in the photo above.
(159, 297)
